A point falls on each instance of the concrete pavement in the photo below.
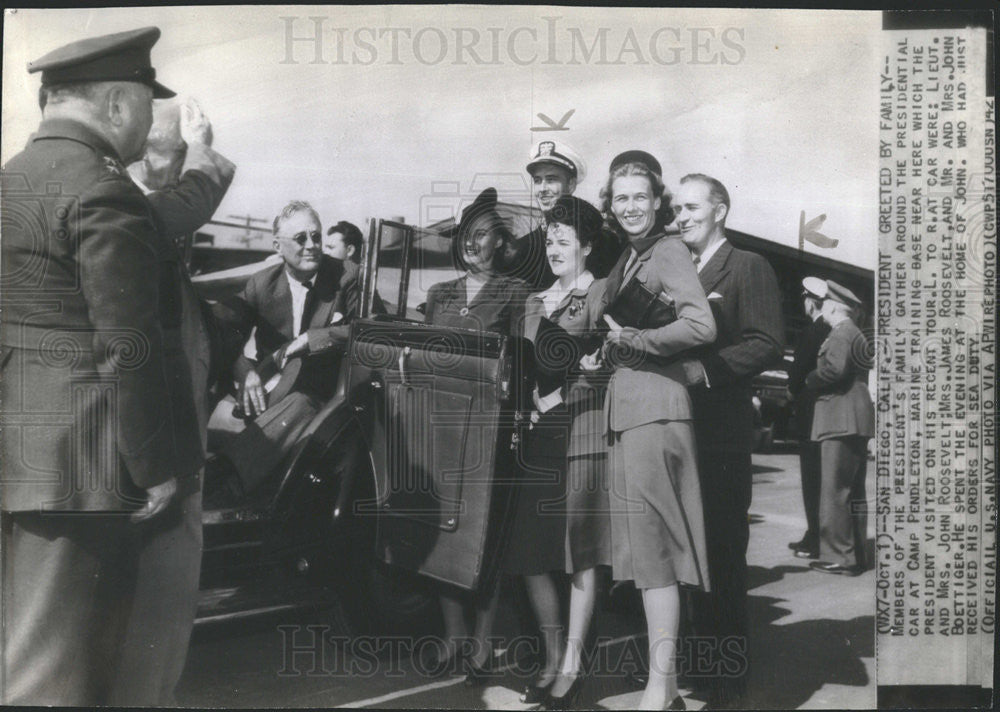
(811, 638)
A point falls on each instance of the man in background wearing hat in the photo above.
(95, 422)
(743, 292)
(184, 180)
(843, 421)
(555, 170)
(806, 351)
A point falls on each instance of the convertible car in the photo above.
(401, 478)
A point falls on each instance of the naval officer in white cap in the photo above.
(555, 170)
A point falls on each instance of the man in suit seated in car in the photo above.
(300, 308)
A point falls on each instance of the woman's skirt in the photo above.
(538, 531)
(588, 518)
(657, 521)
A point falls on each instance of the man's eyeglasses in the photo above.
(300, 238)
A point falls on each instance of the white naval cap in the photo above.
(558, 153)
(815, 287)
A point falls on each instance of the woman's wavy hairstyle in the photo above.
(664, 216)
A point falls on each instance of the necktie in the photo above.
(697, 261)
(307, 307)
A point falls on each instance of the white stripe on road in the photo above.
(390, 696)
(404, 693)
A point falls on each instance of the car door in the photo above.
(435, 407)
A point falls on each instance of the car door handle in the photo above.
(403, 356)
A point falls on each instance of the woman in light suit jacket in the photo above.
(657, 529)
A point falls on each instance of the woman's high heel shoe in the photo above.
(434, 665)
(533, 694)
(567, 700)
(477, 676)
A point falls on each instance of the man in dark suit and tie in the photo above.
(300, 308)
(810, 338)
(746, 303)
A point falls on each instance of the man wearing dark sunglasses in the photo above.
(301, 308)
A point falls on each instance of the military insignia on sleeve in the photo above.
(113, 166)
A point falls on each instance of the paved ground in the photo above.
(812, 639)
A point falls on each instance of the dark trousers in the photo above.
(163, 611)
(720, 616)
(809, 466)
(271, 437)
(843, 510)
(68, 583)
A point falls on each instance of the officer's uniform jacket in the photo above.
(89, 416)
(840, 381)
(804, 361)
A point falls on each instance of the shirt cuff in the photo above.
(547, 403)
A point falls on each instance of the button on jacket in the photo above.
(88, 410)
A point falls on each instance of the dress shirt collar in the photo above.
(707, 254)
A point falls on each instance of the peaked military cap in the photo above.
(839, 293)
(557, 153)
(121, 57)
(814, 287)
(637, 156)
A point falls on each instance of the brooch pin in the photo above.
(574, 310)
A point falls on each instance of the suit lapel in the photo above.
(716, 268)
(282, 302)
(614, 281)
(489, 292)
(324, 295)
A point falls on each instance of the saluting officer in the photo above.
(92, 426)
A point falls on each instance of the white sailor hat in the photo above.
(814, 287)
(558, 153)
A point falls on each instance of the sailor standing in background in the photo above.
(843, 421)
(806, 350)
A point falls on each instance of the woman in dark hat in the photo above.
(480, 300)
(562, 515)
(657, 528)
